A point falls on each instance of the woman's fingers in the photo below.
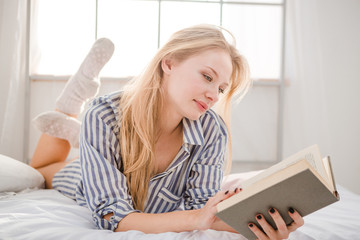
(230, 193)
(258, 232)
(217, 198)
(267, 228)
(283, 231)
(206, 216)
(222, 195)
(298, 220)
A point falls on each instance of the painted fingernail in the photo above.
(240, 189)
(251, 225)
(258, 217)
(272, 210)
(235, 190)
(227, 192)
(291, 210)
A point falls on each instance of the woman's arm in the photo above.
(104, 185)
(220, 225)
(202, 219)
(179, 221)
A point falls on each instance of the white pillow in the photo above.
(16, 176)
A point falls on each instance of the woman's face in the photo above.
(193, 85)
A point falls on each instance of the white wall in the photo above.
(254, 126)
(322, 103)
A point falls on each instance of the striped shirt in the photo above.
(95, 180)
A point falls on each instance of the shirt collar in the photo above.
(193, 135)
(193, 132)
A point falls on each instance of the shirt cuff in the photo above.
(119, 210)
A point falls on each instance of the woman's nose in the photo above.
(212, 94)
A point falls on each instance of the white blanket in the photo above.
(47, 214)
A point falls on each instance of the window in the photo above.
(61, 33)
(64, 30)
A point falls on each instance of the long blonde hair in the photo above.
(142, 100)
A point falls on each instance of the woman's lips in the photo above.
(201, 105)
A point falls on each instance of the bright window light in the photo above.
(258, 35)
(62, 33)
(64, 30)
(133, 27)
(177, 15)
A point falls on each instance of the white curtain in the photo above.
(322, 100)
(305, 108)
(13, 77)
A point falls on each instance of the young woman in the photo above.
(156, 147)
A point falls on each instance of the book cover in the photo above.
(297, 185)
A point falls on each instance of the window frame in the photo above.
(271, 82)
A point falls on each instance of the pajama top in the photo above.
(96, 181)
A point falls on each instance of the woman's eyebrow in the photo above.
(213, 70)
(216, 74)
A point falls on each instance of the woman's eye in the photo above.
(207, 77)
(221, 90)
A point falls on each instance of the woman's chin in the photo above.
(194, 117)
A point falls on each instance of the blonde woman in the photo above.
(157, 146)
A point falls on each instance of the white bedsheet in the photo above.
(46, 214)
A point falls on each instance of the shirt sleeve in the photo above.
(105, 187)
(207, 172)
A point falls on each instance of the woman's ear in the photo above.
(166, 65)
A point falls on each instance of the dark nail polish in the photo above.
(227, 192)
(251, 225)
(272, 210)
(240, 189)
(259, 216)
(291, 210)
(235, 190)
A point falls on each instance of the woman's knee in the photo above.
(49, 172)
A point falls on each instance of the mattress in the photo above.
(47, 214)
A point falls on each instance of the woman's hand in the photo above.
(206, 216)
(282, 231)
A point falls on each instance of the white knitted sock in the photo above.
(60, 125)
(84, 84)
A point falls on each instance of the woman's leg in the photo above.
(50, 150)
(49, 156)
(60, 128)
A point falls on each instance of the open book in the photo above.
(303, 181)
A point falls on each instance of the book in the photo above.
(303, 181)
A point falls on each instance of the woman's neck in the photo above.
(168, 127)
(169, 123)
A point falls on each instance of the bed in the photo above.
(29, 212)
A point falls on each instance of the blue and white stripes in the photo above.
(96, 181)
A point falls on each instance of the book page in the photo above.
(311, 154)
(314, 158)
(328, 168)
